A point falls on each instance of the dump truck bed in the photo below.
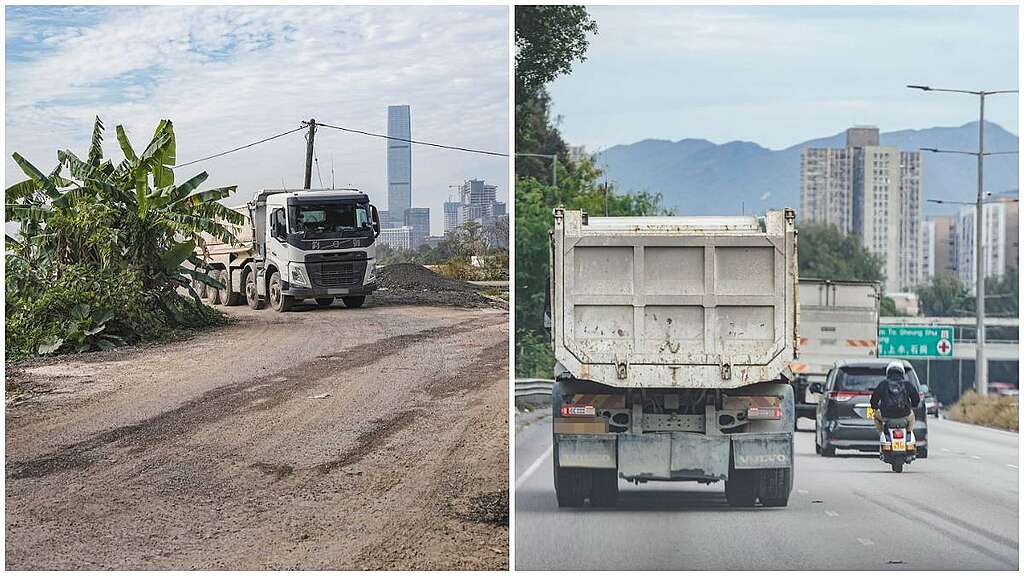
(674, 302)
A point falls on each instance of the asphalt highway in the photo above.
(956, 510)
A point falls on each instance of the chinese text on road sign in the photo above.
(936, 341)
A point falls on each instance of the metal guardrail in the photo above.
(532, 387)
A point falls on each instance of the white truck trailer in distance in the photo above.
(838, 321)
(294, 245)
(673, 338)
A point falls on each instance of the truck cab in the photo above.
(312, 244)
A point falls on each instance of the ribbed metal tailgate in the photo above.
(674, 302)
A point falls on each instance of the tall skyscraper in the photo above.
(399, 164)
(938, 245)
(872, 191)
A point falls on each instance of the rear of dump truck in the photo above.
(673, 337)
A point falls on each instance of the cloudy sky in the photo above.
(781, 75)
(228, 76)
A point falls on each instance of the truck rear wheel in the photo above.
(774, 486)
(230, 296)
(353, 301)
(741, 487)
(252, 297)
(605, 488)
(215, 293)
(278, 301)
(572, 485)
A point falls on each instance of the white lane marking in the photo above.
(945, 449)
(801, 491)
(975, 457)
(1011, 466)
(865, 541)
(831, 513)
(533, 467)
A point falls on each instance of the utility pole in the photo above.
(309, 152)
(980, 362)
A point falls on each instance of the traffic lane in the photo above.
(842, 515)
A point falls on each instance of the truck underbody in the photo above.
(742, 436)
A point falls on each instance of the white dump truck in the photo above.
(673, 338)
(838, 321)
(296, 245)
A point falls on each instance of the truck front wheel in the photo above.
(278, 301)
(353, 301)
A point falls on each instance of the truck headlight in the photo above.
(373, 273)
(297, 274)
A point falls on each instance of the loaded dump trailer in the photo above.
(838, 321)
(296, 245)
(673, 338)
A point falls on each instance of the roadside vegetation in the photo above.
(471, 252)
(100, 252)
(992, 410)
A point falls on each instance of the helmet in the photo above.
(895, 371)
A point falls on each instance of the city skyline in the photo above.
(342, 65)
(780, 75)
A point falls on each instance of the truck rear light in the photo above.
(764, 413)
(578, 410)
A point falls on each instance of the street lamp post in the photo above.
(554, 164)
(980, 365)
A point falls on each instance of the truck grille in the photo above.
(337, 274)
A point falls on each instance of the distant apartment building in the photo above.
(938, 247)
(418, 221)
(399, 238)
(399, 164)
(475, 203)
(871, 191)
(1000, 243)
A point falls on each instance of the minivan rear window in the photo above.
(865, 379)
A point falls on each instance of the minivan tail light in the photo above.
(844, 395)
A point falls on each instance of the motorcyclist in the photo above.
(894, 397)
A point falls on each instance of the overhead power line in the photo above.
(212, 156)
(420, 142)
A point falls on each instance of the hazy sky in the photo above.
(228, 76)
(781, 75)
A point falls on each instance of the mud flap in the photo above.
(644, 455)
(750, 451)
(699, 456)
(586, 451)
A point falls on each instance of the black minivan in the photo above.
(843, 420)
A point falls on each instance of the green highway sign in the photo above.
(920, 341)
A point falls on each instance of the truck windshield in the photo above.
(329, 219)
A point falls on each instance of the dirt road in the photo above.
(325, 439)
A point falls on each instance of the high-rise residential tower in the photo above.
(872, 191)
(399, 164)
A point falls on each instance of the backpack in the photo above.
(895, 400)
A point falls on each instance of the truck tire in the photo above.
(604, 488)
(572, 485)
(353, 301)
(741, 487)
(231, 296)
(324, 302)
(278, 301)
(774, 486)
(252, 297)
(215, 293)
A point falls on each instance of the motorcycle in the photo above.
(898, 445)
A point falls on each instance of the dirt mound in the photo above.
(416, 277)
(412, 284)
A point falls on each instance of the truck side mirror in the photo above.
(375, 220)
